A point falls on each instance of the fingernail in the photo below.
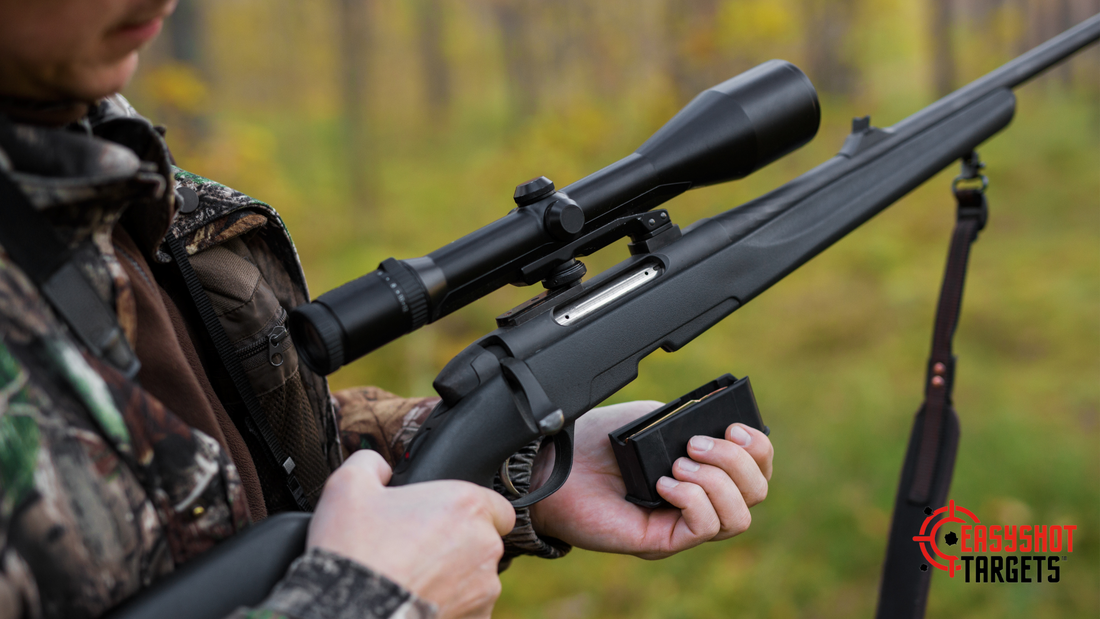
(739, 436)
(688, 464)
(667, 482)
(702, 443)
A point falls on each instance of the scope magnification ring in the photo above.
(410, 293)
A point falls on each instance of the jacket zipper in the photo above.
(276, 344)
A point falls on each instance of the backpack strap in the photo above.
(32, 243)
(256, 422)
(934, 440)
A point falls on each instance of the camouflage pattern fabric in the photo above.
(322, 585)
(103, 489)
(372, 418)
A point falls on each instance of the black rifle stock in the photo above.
(548, 364)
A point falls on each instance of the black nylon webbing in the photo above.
(32, 243)
(257, 419)
(933, 442)
(941, 363)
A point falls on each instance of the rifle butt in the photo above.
(241, 571)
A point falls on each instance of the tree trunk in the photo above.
(943, 53)
(828, 66)
(185, 44)
(437, 76)
(513, 21)
(1065, 22)
(690, 41)
(185, 33)
(355, 44)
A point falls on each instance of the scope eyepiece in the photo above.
(360, 316)
(319, 337)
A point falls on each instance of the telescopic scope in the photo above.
(725, 133)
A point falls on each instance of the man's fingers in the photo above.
(698, 521)
(756, 443)
(735, 460)
(724, 496)
(366, 470)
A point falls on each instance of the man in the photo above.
(110, 482)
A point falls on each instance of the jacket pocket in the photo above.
(255, 323)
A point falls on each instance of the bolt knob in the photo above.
(533, 190)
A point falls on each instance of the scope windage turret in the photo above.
(725, 133)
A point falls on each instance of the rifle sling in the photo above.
(933, 442)
(256, 421)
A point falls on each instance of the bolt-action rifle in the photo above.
(563, 352)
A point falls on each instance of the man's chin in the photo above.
(103, 80)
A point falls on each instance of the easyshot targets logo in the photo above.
(928, 534)
(996, 541)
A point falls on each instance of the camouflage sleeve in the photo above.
(323, 585)
(371, 418)
(523, 540)
(18, 591)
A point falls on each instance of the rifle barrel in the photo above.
(720, 264)
(758, 212)
(1009, 75)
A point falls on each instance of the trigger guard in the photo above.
(563, 464)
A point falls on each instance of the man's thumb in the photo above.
(372, 463)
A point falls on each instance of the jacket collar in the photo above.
(112, 165)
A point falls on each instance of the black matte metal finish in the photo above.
(717, 266)
(533, 190)
(319, 337)
(726, 133)
(720, 264)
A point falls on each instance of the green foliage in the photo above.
(18, 436)
(836, 351)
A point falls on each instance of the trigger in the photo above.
(563, 464)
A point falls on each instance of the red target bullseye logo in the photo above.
(928, 531)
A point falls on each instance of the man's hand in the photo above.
(441, 539)
(713, 490)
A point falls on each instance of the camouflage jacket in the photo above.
(103, 488)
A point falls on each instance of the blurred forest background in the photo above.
(382, 128)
